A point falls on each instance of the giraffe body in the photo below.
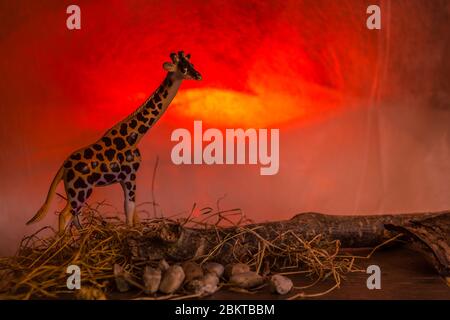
(115, 158)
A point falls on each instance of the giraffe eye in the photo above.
(184, 70)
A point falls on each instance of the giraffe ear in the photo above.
(170, 67)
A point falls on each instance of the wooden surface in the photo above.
(404, 275)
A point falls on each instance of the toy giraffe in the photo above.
(115, 158)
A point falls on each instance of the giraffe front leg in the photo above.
(77, 198)
(129, 189)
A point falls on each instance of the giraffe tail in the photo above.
(43, 210)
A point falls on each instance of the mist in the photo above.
(383, 147)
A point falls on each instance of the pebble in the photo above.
(172, 279)
(192, 271)
(246, 280)
(233, 269)
(152, 279)
(163, 265)
(280, 284)
(119, 276)
(205, 285)
(214, 267)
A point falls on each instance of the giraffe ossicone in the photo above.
(115, 158)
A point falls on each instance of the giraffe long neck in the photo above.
(136, 125)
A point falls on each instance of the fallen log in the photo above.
(170, 240)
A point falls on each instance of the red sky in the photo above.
(351, 104)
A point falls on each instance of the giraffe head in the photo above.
(182, 66)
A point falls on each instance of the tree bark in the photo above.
(171, 241)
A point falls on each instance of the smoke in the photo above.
(373, 135)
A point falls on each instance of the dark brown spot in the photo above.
(141, 118)
(120, 157)
(156, 98)
(114, 167)
(94, 164)
(122, 176)
(88, 153)
(71, 192)
(70, 175)
(114, 132)
(150, 105)
(129, 156)
(97, 147)
(155, 112)
(110, 154)
(76, 156)
(93, 177)
(123, 129)
(109, 177)
(131, 139)
(104, 167)
(120, 143)
(106, 141)
(82, 167)
(67, 164)
(100, 156)
(125, 168)
(81, 196)
(143, 129)
(136, 166)
(133, 124)
(80, 184)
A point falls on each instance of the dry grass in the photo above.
(38, 270)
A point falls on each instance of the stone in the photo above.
(120, 278)
(192, 271)
(205, 285)
(214, 267)
(246, 280)
(152, 279)
(236, 268)
(280, 284)
(172, 279)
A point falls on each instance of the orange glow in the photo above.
(261, 109)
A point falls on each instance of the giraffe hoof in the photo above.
(76, 222)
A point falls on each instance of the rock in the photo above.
(205, 285)
(89, 293)
(120, 278)
(246, 280)
(172, 279)
(163, 265)
(280, 284)
(214, 267)
(152, 279)
(192, 271)
(232, 269)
